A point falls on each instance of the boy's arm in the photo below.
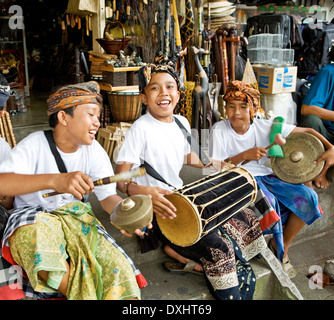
(328, 155)
(161, 205)
(109, 203)
(320, 112)
(76, 183)
(193, 160)
(325, 142)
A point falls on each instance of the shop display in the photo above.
(125, 105)
(109, 43)
(164, 31)
(13, 55)
(270, 23)
(317, 42)
(275, 80)
(112, 137)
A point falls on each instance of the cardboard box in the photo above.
(275, 80)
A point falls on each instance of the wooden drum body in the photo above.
(125, 105)
(207, 203)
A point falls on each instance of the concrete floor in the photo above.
(308, 252)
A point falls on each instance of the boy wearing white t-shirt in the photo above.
(157, 139)
(241, 137)
(57, 240)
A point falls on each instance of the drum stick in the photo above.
(116, 178)
(279, 139)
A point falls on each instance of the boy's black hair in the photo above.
(53, 119)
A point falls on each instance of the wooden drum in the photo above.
(207, 203)
(125, 105)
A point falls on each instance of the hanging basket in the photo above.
(113, 46)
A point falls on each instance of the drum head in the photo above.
(300, 151)
(185, 229)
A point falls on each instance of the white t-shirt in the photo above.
(4, 149)
(162, 145)
(33, 156)
(225, 142)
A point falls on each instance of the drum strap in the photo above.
(193, 143)
(60, 163)
(153, 173)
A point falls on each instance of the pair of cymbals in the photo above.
(297, 164)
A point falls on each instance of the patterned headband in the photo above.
(145, 74)
(73, 95)
(239, 90)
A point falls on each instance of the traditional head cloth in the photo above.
(242, 91)
(73, 95)
(145, 73)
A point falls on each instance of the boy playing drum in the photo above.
(156, 139)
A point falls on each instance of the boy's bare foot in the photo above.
(309, 184)
(321, 182)
(169, 251)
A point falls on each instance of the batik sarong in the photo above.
(225, 254)
(286, 198)
(99, 269)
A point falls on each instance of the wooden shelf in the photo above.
(108, 87)
(111, 68)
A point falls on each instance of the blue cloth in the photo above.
(321, 92)
(286, 198)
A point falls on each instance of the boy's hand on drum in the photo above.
(76, 183)
(161, 206)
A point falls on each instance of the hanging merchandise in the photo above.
(318, 39)
(110, 44)
(82, 7)
(219, 12)
(270, 23)
(259, 2)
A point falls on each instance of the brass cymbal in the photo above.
(300, 151)
(135, 212)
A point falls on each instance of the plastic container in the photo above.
(288, 57)
(277, 40)
(277, 57)
(263, 40)
(260, 55)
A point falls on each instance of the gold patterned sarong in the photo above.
(98, 270)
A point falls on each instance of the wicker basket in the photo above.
(113, 46)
